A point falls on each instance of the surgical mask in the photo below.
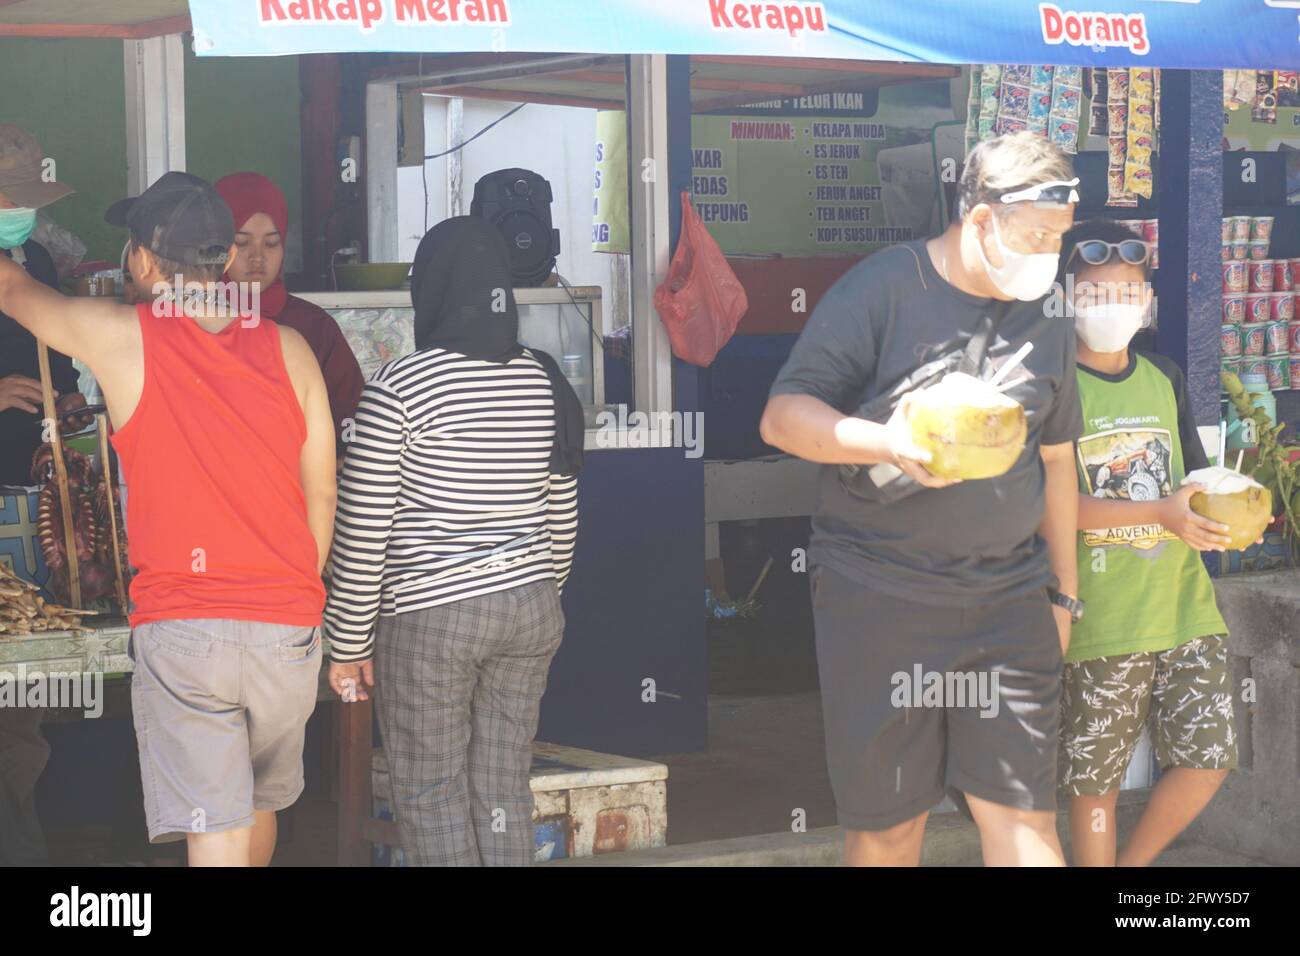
(1109, 326)
(1023, 276)
(16, 227)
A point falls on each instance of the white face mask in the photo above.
(1109, 326)
(1023, 276)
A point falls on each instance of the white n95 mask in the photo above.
(1024, 276)
(1109, 326)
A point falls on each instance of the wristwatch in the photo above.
(1071, 604)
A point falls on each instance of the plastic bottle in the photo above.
(1244, 437)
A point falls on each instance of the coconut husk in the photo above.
(1233, 499)
(971, 430)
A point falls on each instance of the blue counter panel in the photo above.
(733, 394)
(634, 609)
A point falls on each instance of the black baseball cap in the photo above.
(180, 217)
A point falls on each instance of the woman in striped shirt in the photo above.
(454, 535)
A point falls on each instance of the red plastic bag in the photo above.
(701, 302)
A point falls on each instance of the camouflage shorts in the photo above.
(1185, 694)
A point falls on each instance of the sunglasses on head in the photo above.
(1057, 193)
(1098, 252)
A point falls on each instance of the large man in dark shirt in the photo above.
(957, 582)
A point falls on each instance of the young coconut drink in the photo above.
(1234, 499)
(971, 429)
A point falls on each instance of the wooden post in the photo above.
(110, 490)
(60, 474)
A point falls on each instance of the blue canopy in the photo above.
(1191, 34)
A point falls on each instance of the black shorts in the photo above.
(919, 700)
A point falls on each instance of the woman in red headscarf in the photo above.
(262, 225)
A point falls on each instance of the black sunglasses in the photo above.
(1097, 252)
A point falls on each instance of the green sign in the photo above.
(609, 226)
(830, 174)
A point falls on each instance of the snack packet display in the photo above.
(973, 108)
(1040, 99)
(1140, 132)
(1067, 102)
(1013, 104)
(990, 86)
(1009, 98)
(1097, 116)
(1117, 105)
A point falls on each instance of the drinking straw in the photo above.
(1223, 440)
(1240, 453)
(1011, 363)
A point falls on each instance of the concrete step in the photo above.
(950, 840)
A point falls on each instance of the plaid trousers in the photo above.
(458, 688)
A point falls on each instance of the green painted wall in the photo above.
(240, 114)
(69, 94)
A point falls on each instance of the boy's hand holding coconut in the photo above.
(1225, 495)
(1175, 514)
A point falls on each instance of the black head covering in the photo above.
(464, 302)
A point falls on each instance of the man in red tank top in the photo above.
(222, 423)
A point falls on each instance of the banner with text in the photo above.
(1254, 34)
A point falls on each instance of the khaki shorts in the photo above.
(1184, 693)
(220, 711)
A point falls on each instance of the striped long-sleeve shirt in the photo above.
(446, 492)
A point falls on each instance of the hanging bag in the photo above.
(701, 302)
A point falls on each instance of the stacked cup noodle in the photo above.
(1259, 334)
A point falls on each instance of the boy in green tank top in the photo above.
(1151, 646)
